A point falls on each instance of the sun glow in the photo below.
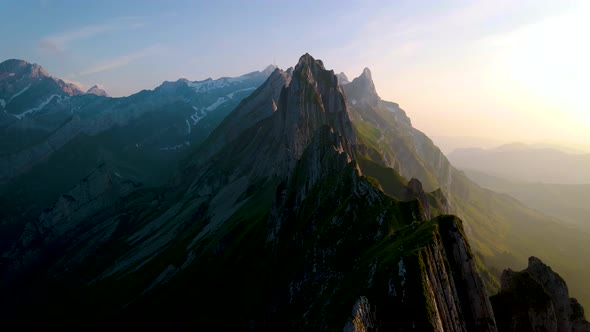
(544, 70)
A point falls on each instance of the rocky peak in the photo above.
(557, 289)
(269, 69)
(19, 76)
(537, 298)
(37, 71)
(96, 90)
(309, 67)
(362, 89)
(12, 64)
(343, 79)
(367, 74)
(312, 99)
(415, 190)
(69, 89)
(19, 68)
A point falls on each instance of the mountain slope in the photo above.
(24, 86)
(278, 229)
(527, 164)
(566, 202)
(141, 138)
(537, 299)
(502, 231)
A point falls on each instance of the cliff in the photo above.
(537, 299)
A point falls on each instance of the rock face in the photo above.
(477, 310)
(23, 86)
(100, 190)
(95, 90)
(537, 299)
(363, 317)
(342, 79)
(495, 223)
(362, 89)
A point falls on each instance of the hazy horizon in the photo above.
(490, 69)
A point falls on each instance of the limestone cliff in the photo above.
(537, 299)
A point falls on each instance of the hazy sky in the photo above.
(515, 70)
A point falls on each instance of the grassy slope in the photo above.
(504, 233)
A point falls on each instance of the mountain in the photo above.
(502, 231)
(523, 163)
(448, 144)
(342, 79)
(95, 90)
(26, 88)
(537, 299)
(285, 188)
(311, 205)
(566, 202)
(58, 143)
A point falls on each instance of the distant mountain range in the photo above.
(289, 199)
(566, 202)
(449, 144)
(47, 132)
(521, 162)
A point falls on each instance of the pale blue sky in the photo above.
(441, 60)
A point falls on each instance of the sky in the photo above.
(504, 70)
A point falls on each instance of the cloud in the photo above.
(120, 61)
(58, 43)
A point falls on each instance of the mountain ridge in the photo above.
(313, 147)
(306, 177)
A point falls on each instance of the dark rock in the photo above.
(536, 299)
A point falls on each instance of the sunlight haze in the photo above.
(512, 69)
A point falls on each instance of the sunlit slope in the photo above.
(503, 232)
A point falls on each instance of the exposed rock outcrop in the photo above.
(96, 90)
(74, 210)
(476, 307)
(537, 299)
(415, 190)
(438, 289)
(342, 79)
(363, 317)
(362, 89)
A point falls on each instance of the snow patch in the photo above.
(197, 116)
(216, 104)
(118, 175)
(353, 101)
(188, 125)
(11, 74)
(38, 108)
(231, 95)
(19, 93)
(201, 113)
(2, 103)
(209, 84)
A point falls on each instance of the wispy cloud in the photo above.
(120, 61)
(58, 43)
